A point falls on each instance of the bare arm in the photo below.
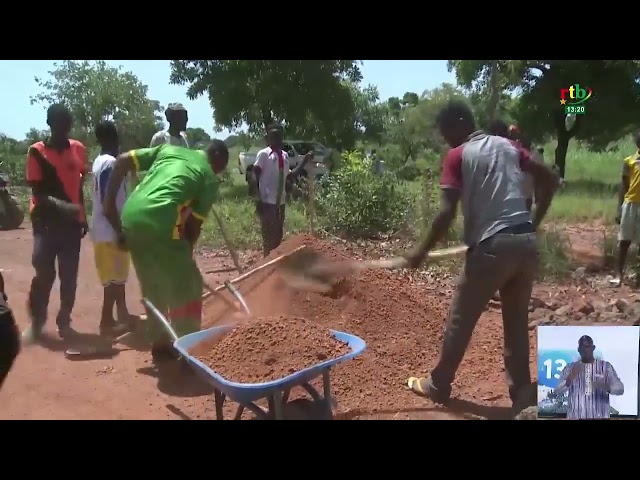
(122, 166)
(546, 182)
(616, 387)
(565, 380)
(624, 185)
(451, 191)
(261, 159)
(296, 171)
(449, 199)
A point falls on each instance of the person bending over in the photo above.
(160, 224)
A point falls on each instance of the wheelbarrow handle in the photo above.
(150, 307)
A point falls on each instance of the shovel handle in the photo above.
(150, 307)
(236, 293)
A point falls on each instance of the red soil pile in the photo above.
(271, 348)
(401, 323)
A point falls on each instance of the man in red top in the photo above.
(55, 172)
(485, 172)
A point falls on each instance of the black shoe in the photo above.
(114, 329)
(163, 352)
(66, 332)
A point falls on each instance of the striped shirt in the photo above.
(585, 400)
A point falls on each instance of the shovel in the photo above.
(309, 270)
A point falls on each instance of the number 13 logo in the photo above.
(551, 363)
(554, 368)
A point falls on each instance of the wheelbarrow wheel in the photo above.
(305, 409)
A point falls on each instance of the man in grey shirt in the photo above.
(486, 173)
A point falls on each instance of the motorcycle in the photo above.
(11, 214)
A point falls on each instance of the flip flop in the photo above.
(90, 353)
(415, 385)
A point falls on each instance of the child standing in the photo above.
(112, 262)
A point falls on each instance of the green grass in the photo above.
(592, 184)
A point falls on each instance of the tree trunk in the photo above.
(267, 119)
(561, 151)
(564, 137)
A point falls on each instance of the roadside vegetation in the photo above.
(353, 202)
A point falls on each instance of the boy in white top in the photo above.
(271, 170)
(112, 262)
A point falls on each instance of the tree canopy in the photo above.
(95, 91)
(307, 96)
(611, 113)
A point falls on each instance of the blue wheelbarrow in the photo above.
(276, 392)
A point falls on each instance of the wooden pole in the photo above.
(227, 241)
(311, 202)
(253, 271)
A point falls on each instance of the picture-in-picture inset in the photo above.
(588, 372)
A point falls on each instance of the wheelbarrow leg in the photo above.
(219, 401)
(276, 407)
(326, 384)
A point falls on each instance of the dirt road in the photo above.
(45, 385)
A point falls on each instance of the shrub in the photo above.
(554, 254)
(359, 204)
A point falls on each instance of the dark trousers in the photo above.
(506, 263)
(61, 242)
(9, 342)
(271, 224)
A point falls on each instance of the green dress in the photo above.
(179, 183)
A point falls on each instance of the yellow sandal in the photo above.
(415, 385)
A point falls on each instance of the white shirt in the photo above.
(101, 229)
(267, 160)
(163, 137)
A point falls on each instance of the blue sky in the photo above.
(392, 77)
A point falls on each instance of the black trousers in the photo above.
(59, 242)
(9, 342)
(272, 225)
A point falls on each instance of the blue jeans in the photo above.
(51, 242)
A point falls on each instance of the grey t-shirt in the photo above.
(489, 172)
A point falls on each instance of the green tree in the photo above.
(611, 112)
(415, 129)
(95, 91)
(34, 135)
(245, 140)
(410, 99)
(197, 137)
(307, 96)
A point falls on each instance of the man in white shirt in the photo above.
(177, 118)
(112, 261)
(271, 170)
